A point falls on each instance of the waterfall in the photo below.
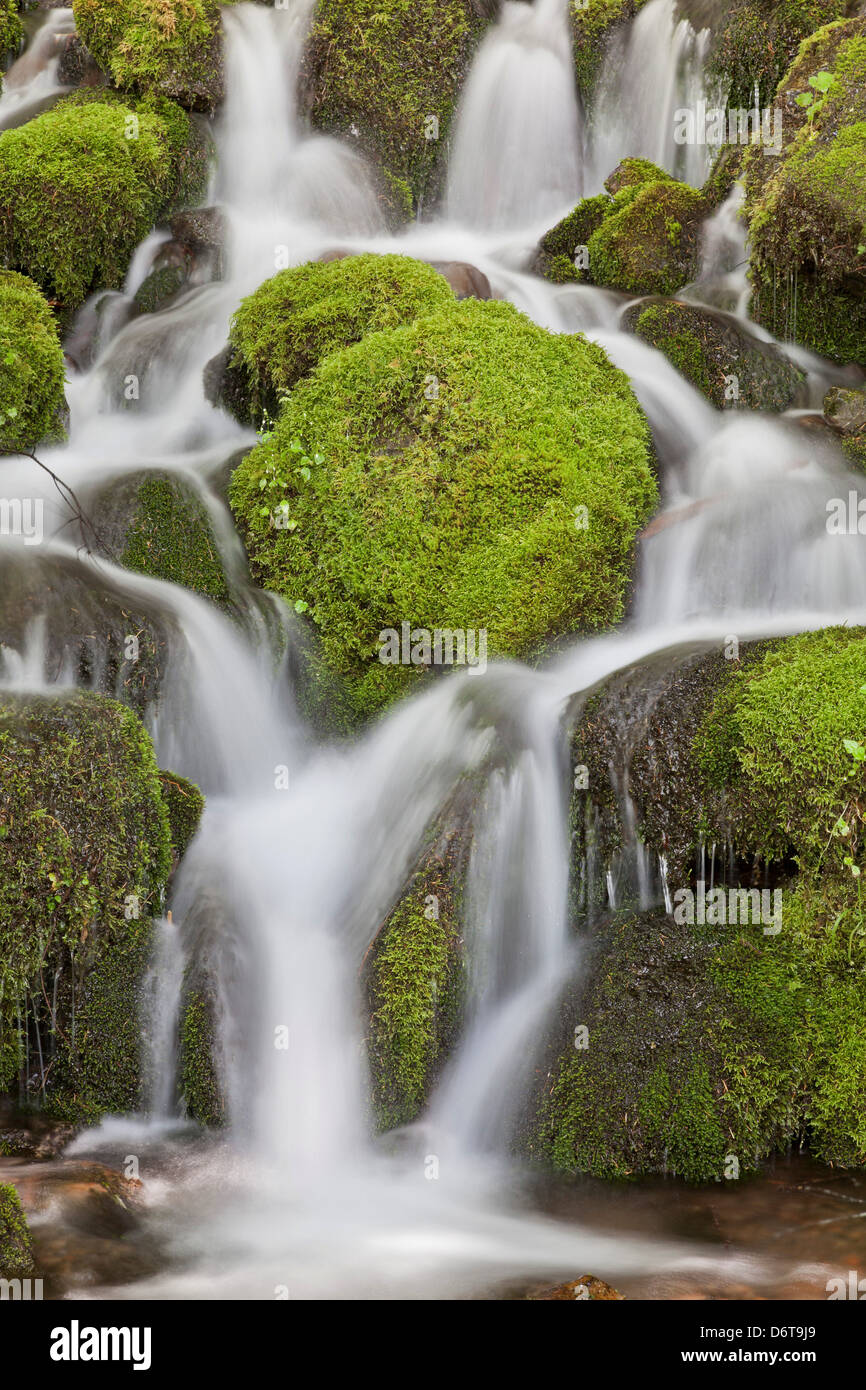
(305, 846)
(651, 69)
(517, 145)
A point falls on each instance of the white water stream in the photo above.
(291, 884)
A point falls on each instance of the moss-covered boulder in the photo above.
(641, 237)
(758, 41)
(184, 804)
(16, 1247)
(11, 32)
(806, 209)
(169, 47)
(295, 319)
(83, 183)
(158, 525)
(716, 354)
(201, 1089)
(32, 372)
(698, 1040)
(84, 857)
(387, 77)
(466, 472)
(414, 982)
(592, 24)
(845, 412)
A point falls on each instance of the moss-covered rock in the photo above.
(718, 1040)
(169, 47)
(469, 471)
(163, 530)
(83, 183)
(415, 984)
(641, 237)
(32, 372)
(201, 1090)
(759, 39)
(16, 1247)
(845, 412)
(11, 32)
(185, 806)
(712, 351)
(295, 319)
(388, 77)
(592, 23)
(806, 209)
(84, 857)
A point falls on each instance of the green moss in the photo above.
(170, 47)
(592, 22)
(774, 740)
(631, 173)
(709, 350)
(11, 31)
(199, 1082)
(415, 996)
(32, 371)
(185, 806)
(650, 243)
(449, 457)
(559, 246)
(390, 76)
(759, 41)
(293, 320)
(16, 1248)
(83, 183)
(806, 210)
(170, 537)
(84, 856)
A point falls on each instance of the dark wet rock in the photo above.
(717, 354)
(467, 281)
(202, 234)
(161, 287)
(77, 67)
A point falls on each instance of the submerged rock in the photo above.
(716, 353)
(467, 472)
(806, 209)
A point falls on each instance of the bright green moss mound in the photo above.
(84, 855)
(451, 459)
(650, 243)
(390, 75)
(807, 209)
(293, 320)
(592, 21)
(170, 537)
(415, 995)
(81, 185)
(185, 806)
(774, 740)
(167, 46)
(32, 372)
(759, 41)
(16, 1248)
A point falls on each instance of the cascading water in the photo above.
(304, 848)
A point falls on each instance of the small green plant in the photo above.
(813, 102)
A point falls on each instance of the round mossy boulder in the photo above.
(388, 77)
(170, 47)
(649, 243)
(720, 359)
(806, 208)
(467, 472)
(84, 857)
(32, 371)
(83, 183)
(296, 318)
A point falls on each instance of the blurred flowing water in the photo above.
(305, 845)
